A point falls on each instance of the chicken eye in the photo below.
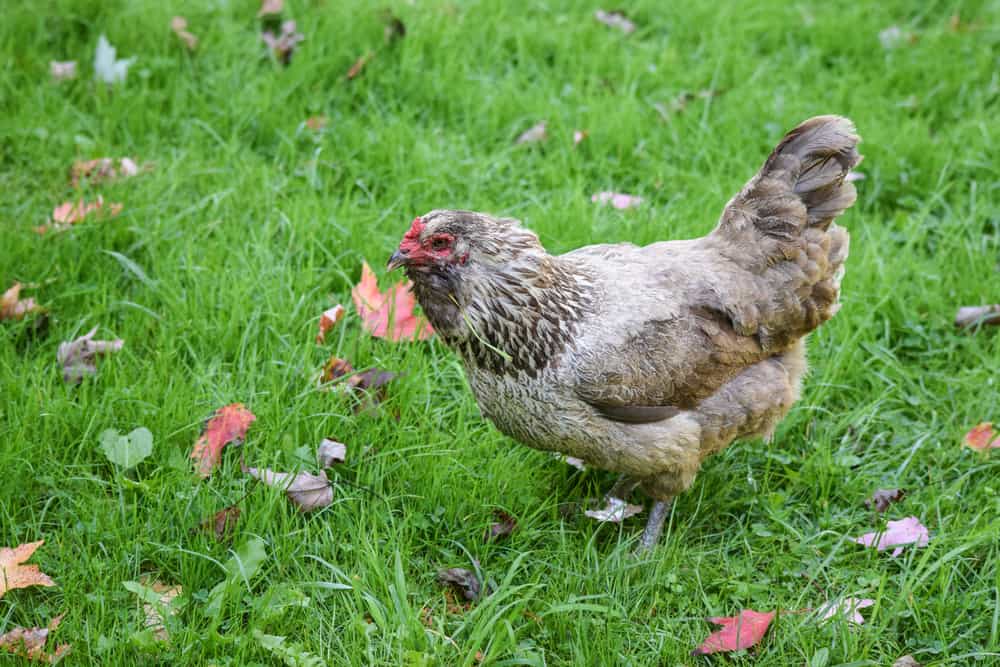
(440, 243)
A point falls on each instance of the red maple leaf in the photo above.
(388, 314)
(228, 424)
(738, 632)
(981, 438)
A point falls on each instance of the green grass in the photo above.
(250, 225)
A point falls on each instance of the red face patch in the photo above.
(411, 240)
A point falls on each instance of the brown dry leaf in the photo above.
(154, 621)
(462, 580)
(222, 524)
(533, 134)
(882, 498)
(316, 124)
(330, 452)
(12, 307)
(968, 316)
(615, 19)
(13, 574)
(283, 45)
(906, 661)
(615, 510)
(179, 25)
(307, 491)
(502, 528)
(79, 357)
(359, 65)
(268, 7)
(328, 319)
(62, 71)
(30, 642)
(228, 424)
(103, 169)
(336, 368)
(394, 30)
(981, 437)
(68, 213)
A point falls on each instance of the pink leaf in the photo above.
(738, 632)
(533, 134)
(616, 199)
(388, 314)
(897, 533)
(981, 437)
(63, 71)
(846, 607)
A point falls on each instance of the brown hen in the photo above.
(646, 360)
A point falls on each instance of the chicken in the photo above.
(646, 360)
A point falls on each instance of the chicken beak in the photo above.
(397, 260)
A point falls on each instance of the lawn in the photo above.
(250, 224)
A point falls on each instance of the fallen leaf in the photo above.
(127, 451)
(15, 575)
(882, 498)
(853, 176)
(165, 595)
(394, 29)
(847, 608)
(906, 661)
(579, 464)
(62, 71)
(307, 491)
(335, 368)
(388, 314)
(902, 532)
(738, 632)
(615, 19)
(578, 136)
(968, 316)
(222, 524)
(328, 319)
(894, 37)
(79, 357)
(68, 213)
(502, 528)
(270, 7)
(462, 580)
(359, 66)
(30, 642)
(372, 381)
(283, 45)
(179, 25)
(533, 134)
(228, 424)
(107, 67)
(615, 510)
(616, 199)
(981, 437)
(13, 307)
(317, 123)
(330, 452)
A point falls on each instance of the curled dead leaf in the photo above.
(62, 71)
(104, 169)
(328, 319)
(533, 134)
(616, 199)
(78, 358)
(981, 437)
(30, 642)
(222, 524)
(462, 580)
(270, 7)
(228, 425)
(615, 510)
(501, 528)
(179, 25)
(969, 316)
(12, 307)
(154, 619)
(882, 498)
(69, 213)
(615, 19)
(283, 44)
(330, 453)
(307, 491)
